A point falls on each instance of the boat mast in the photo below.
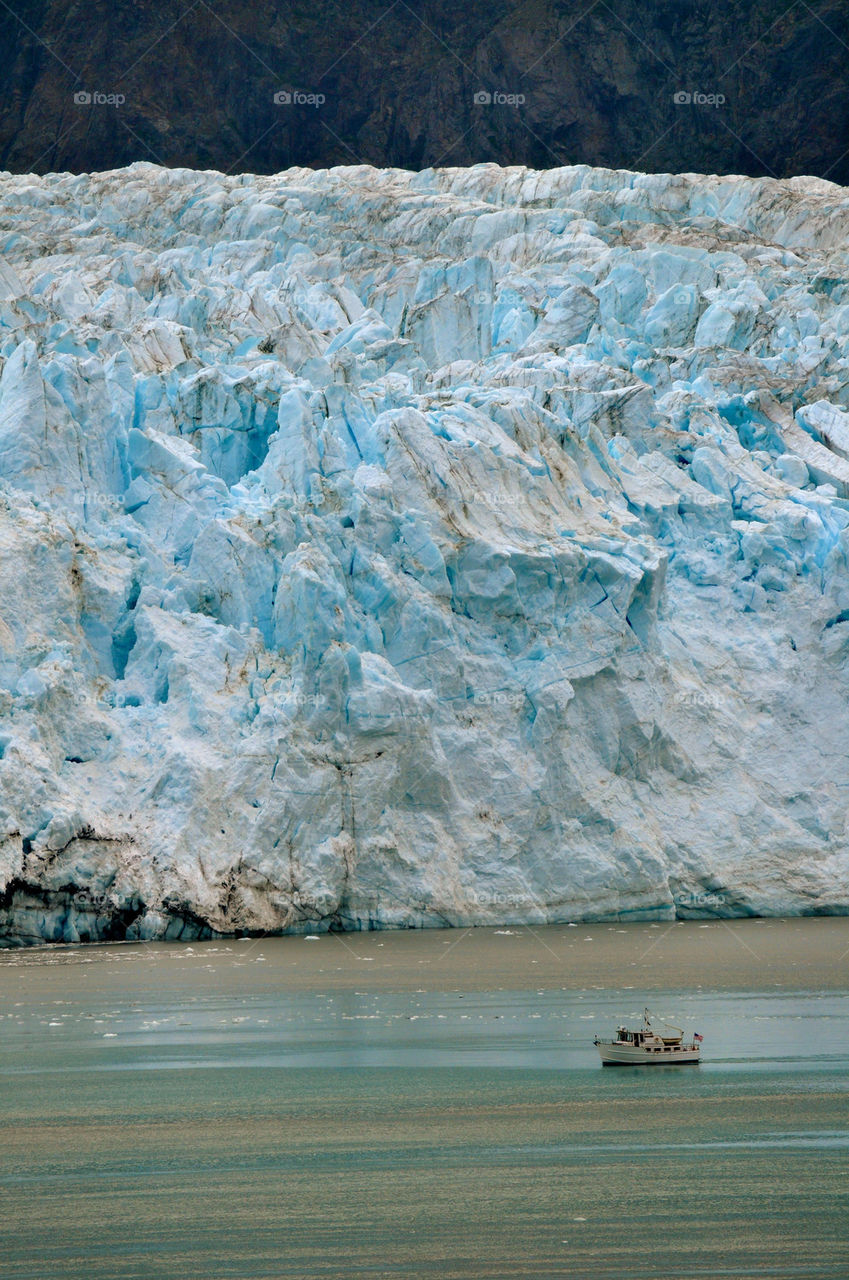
(663, 1023)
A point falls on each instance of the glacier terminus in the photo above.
(393, 549)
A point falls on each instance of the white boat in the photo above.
(647, 1047)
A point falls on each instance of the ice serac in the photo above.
(395, 549)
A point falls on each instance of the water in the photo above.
(426, 1104)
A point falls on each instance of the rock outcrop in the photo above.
(740, 86)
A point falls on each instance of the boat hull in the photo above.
(629, 1055)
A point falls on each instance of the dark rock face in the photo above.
(394, 83)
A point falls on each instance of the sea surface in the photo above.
(427, 1104)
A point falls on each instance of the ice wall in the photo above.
(381, 548)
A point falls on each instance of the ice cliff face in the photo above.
(381, 548)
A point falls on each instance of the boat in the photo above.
(647, 1047)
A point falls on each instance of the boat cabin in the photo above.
(645, 1037)
(624, 1036)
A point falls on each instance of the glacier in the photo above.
(393, 549)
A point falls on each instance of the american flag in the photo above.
(696, 1036)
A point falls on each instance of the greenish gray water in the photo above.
(426, 1105)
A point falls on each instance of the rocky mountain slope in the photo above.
(393, 549)
(600, 82)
